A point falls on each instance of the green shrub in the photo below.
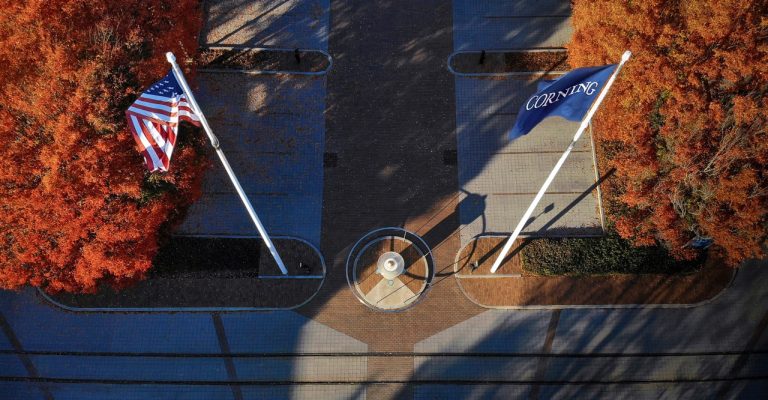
(609, 254)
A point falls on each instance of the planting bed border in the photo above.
(615, 281)
(455, 54)
(204, 69)
(50, 299)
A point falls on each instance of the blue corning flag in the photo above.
(569, 97)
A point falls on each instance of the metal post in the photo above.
(551, 177)
(215, 143)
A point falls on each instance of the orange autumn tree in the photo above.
(78, 207)
(685, 124)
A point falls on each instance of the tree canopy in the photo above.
(685, 123)
(78, 207)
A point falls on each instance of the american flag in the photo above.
(154, 120)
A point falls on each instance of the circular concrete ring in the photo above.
(381, 289)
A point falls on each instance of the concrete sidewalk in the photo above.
(499, 178)
(267, 23)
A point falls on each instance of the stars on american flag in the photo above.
(166, 88)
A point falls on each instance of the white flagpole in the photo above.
(215, 143)
(551, 177)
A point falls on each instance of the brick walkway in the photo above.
(390, 119)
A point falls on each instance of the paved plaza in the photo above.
(282, 172)
(271, 127)
(389, 140)
(561, 353)
(498, 24)
(266, 23)
(499, 179)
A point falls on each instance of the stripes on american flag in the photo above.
(154, 120)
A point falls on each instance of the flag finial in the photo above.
(170, 57)
(626, 55)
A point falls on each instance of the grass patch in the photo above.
(609, 254)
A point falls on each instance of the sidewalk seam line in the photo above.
(221, 335)
(543, 363)
(23, 357)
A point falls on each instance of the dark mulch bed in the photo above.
(262, 60)
(502, 62)
(214, 272)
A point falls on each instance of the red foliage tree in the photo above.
(685, 124)
(78, 207)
